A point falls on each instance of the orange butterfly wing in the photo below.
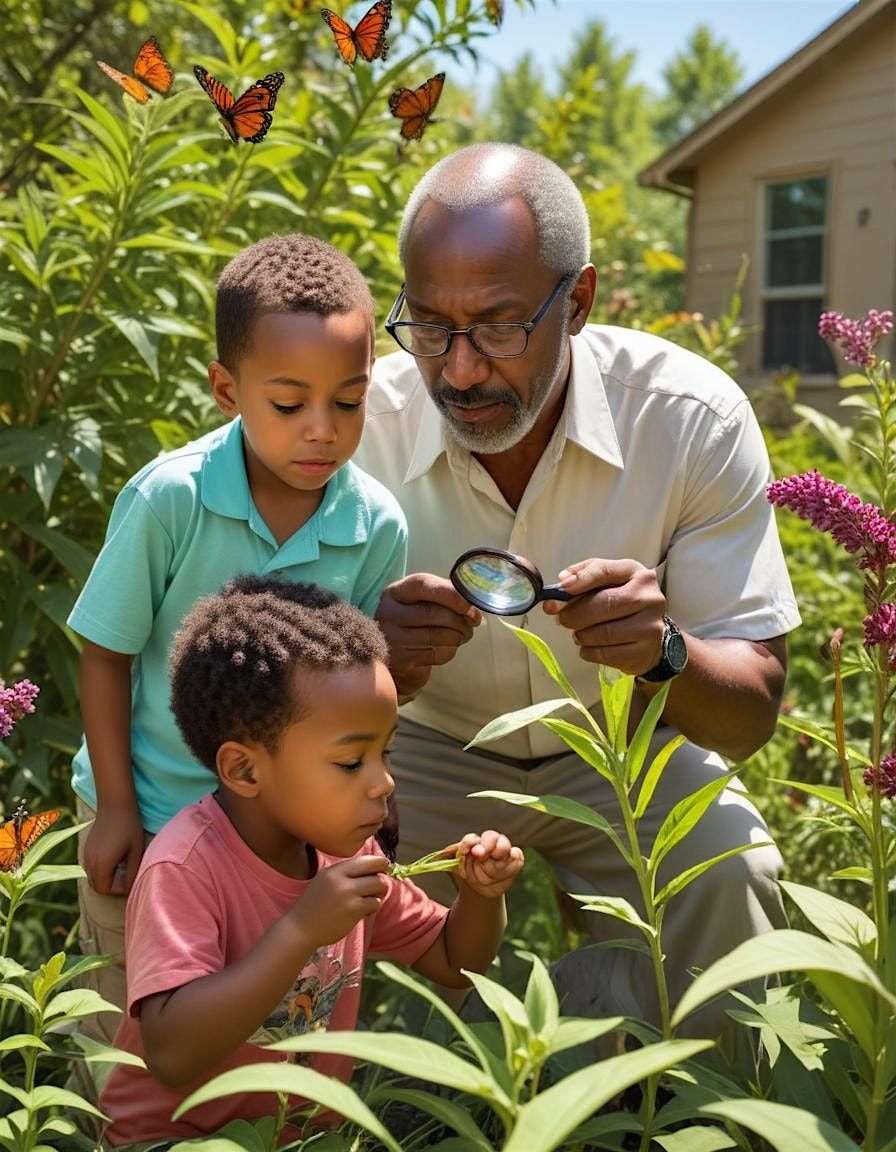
(18, 834)
(152, 68)
(415, 106)
(368, 37)
(249, 117)
(131, 86)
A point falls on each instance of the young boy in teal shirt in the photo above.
(273, 491)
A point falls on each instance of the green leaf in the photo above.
(572, 1031)
(73, 557)
(541, 649)
(297, 1081)
(616, 697)
(784, 1127)
(681, 881)
(684, 816)
(95, 1052)
(560, 806)
(136, 332)
(445, 1111)
(653, 774)
(696, 1138)
(640, 743)
(822, 735)
(585, 746)
(783, 950)
(540, 998)
(76, 1002)
(546, 1121)
(409, 1055)
(614, 906)
(51, 1096)
(835, 919)
(22, 1040)
(511, 721)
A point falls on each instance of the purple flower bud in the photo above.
(15, 702)
(882, 778)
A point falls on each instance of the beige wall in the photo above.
(838, 119)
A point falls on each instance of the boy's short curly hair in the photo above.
(234, 659)
(291, 273)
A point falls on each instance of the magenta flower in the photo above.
(883, 777)
(831, 508)
(855, 338)
(15, 702)
(880, 626)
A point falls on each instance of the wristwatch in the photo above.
(673, 657)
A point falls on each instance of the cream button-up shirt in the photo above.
(657, 457)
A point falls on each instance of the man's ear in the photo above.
(582, 296)
(236, 768)
(223, 388)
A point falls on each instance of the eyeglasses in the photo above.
(501, 340)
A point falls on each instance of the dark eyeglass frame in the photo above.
(392, 325)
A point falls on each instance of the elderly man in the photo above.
(633, 469)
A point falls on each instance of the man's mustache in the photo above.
(473, 397)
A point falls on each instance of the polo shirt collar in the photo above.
(343, 518)
(586, 419)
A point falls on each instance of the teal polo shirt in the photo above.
(179, 529)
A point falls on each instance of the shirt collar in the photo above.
(586, 419)
(342, 519)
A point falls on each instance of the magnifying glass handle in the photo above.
(555, 592)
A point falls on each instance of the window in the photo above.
(793, 288)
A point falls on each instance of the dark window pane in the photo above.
(796, 204)
(790, 337)
(794, 262)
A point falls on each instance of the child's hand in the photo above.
(488, 863)
(339, 896)
(113, 850)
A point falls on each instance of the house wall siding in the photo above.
(837, 119)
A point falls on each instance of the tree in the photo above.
(699, 81)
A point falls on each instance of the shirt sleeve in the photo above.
(407, 923)
(126, 585)
(724, 572)
(173, 933)
(386, 558)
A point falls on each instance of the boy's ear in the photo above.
(223, 388)
(236, 768)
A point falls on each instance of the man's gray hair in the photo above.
(486, 174)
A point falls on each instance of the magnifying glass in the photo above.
(499, 582)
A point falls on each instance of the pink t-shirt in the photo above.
(201, 900)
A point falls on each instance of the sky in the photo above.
(762, 32)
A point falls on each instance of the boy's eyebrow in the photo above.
(363, 378)
(354, 737)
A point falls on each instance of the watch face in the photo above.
(675, 651)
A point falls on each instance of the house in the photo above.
(799, 174)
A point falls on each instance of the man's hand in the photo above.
(424, 621)
(113, 850)
(489, 863)
(338, 897)
(617, 613)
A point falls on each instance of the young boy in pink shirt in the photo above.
(254, 909)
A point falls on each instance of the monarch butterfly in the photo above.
(495, 10)
(367, 37)
(150, 67)
(414, 106)
(249, 116)
(18, 834)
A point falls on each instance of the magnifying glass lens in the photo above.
(496, 584)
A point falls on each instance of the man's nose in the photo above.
(464, 366)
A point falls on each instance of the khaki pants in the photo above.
(733, 901)
(101, 932)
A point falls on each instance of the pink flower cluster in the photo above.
(880, 626)
(883, 777)
(831, 508)
(14, 703)
(856, 338)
